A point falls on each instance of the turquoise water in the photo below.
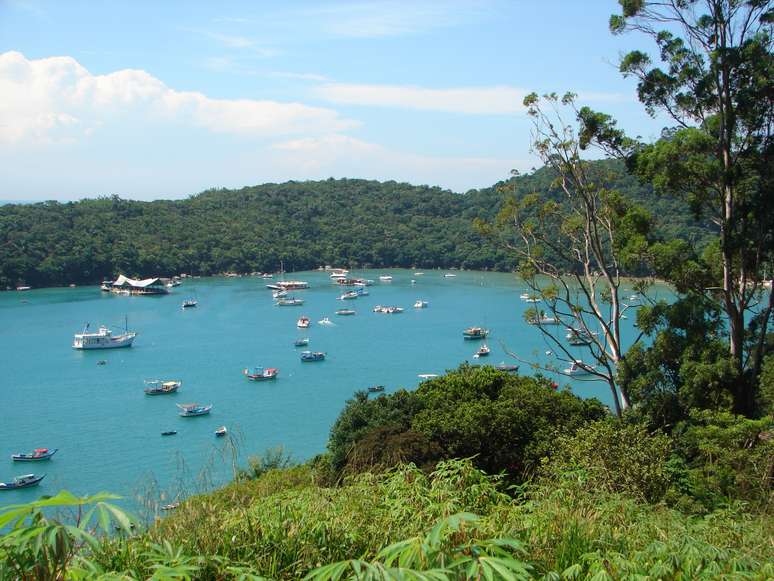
(108, 431)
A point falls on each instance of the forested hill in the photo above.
(343, 222)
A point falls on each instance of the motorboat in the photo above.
(289, 302)
(161, 387)
(532, 299)
(221, 431)
(169, 433)
(190, 303)
(278, 294)
(325, 321)
(348, 296)
(24, 481)
(524, 296)
(427, 375)
(170, 506)
(36, 455)
(345, 312)
(387, 310)
(303, 322)
(190, 410)
(577, 368)
(483, 351)
(507, 368)
(420, 304)
(261, 373)
(385, 278)
(301, 342)
(543, 319)
(102, 339)
(449, 275)
(308, 356)
(376, 389)
(475, 333)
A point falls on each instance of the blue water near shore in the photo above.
(108, 431)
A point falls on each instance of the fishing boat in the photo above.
(24, 481)
(420, 304)
(169, 433)
(301, 342)
(161, 387)
(507, 368)
(190, 303)
(345, 312)
(289, 302)
(221, 431)
(475, 333)
(348, 296)
(577, 367)
(376, 389)
(36, 455)
(419, 273)
(261, 373)
(308, 356)
(190, 410)
(102, 339)
(303, 322)
(483, 351)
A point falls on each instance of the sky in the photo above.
(150, 100)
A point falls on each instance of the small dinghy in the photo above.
(483, 351)
(36, 455)
(24, 481)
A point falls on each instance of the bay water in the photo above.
(108, 431)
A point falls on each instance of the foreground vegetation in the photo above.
(585, 496)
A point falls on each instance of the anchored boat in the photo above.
(161, 387)
(102, 339)
(24, 481)
(261, 373)
(189, 410)
(308, 356)
(475, 333)
(36, 455)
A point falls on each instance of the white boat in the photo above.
(483, 351)
(325, 321)
(419, 273)
(449, 275)
(23, 288)
(348, 296)
(577, 367)
(102, 339)
(385, 278)
(278, 294)
(288, 285)
(427, 375)
(524, 296)
(532, 299)
(289, 302)
(387, 310)
(303, 322)
(420, 304)
(543, 320)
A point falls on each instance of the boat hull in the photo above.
(32, 457)
(16, 485)
(114, 343)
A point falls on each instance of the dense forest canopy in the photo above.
(349, 222)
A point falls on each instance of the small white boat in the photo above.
(345, 312)
(449, 275)
(419, 273)
(483, 351)
(532, 299)
(577, 368)
(524, 296)
(221, 431)
(543, 320)
(349, 295)
(325, 321)
(420, 304)
(427, 375)
(385, 278)
(190, 303)
(303, 322)
(289, 302)
(278, 294)
(190, 410)
(23, 288)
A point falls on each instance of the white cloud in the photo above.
(314, 77)
(498, 100)
(56, 99)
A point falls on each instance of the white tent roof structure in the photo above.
(126, 281)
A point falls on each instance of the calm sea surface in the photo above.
(108, 431)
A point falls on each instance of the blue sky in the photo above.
(165, 99)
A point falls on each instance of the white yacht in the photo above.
(102, 339)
